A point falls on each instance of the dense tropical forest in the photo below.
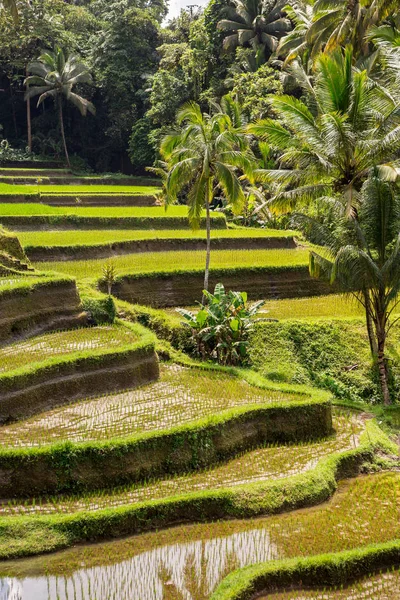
(199, 300)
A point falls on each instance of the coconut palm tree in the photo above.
(258, 24)
(328, 24)
(294, 44)
(329, 143)
(201, 157)
(54, 75)
(363, 258)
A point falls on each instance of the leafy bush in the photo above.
(101, 310)
(221, 327)
(7, 153)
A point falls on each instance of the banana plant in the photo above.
(221, 327)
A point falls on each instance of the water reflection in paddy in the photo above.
(187, 562)
(182, 571)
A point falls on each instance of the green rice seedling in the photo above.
(180, 396)
(20, 210)
(98, 237)
(172, 261)
(40, 348)
(73, 190)
(271, 462)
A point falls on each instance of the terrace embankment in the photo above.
(86, 252)
(77, 221)
(57, 368)
(30, 305)
(184, 288)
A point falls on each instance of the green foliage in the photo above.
(141, 152)
(221, 327)
(362, 257)
(101, 310)
(253, 90)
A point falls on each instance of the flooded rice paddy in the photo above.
(181, 395)
(188, 562)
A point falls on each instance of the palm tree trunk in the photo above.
(28, 118)
(383, 374)
(208, 252)
(60, 110)
(370, 327)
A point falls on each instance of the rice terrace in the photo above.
(199, 300)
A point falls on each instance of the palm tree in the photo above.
(294, 44)
(334, 23)
(363, 258)
(329, 142)
(54, 74)
(255, 23)
(201, 157)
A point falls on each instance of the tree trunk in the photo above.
(14, 116)
(60, 109)
(28, 118)
(208, 252)
(383, 374)
(370, 327)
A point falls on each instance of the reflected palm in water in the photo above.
(195, 584)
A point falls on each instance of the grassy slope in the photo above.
(170, 261)
(330, 353)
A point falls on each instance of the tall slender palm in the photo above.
(54, 74)
(363, 258)
(201, 157)
(255, 23)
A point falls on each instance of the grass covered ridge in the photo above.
(336, 569)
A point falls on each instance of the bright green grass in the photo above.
(270, 462)
(62, 343)
(172, 261)
(180, 396)
(333, 306)
(30, 209)
(132, 190)
(75, 190)
(98, 236)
